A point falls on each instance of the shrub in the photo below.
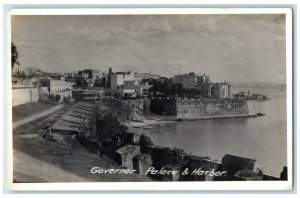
(51, 97)
(109, 125)
(57, 98)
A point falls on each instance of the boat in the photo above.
(260, 114)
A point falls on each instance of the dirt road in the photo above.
(36, 116)
(29, 169)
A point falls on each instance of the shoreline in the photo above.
(149, 122)
(220, 117)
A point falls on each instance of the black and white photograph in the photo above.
(182, 98)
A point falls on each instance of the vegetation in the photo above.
(14, 55)
(52, 97)
(57, 98)
(108, 126)
(166, 87)
(117, 108)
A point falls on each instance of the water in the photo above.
(262, 138)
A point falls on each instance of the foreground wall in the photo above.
(198, 108)
(23, 95)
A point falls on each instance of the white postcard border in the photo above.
(159, 186)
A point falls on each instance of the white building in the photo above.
(128, 84)
(117, 79)
(56, 86)
(60, 86)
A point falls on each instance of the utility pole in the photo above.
(180, 69)
(49, 93)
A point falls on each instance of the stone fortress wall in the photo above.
(209, 107)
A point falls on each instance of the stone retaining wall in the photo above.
(199, 108)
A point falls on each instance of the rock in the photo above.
(58, 138)
(145, 140)
(49, 135)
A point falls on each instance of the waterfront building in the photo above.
(187, 81)
(203, 83)
(221, 90)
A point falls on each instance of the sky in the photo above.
(247, 48)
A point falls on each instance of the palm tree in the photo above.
(14, 56)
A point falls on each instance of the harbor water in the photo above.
(261, 138)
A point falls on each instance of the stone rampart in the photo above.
(207, 107)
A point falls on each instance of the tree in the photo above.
(57, 98)
(166, 87)
(14, 56)
(116, 95)
(108, 126)
(51, 97)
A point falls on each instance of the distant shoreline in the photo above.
(260, 87)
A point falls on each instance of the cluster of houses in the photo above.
(91, 85)
(88, 84)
